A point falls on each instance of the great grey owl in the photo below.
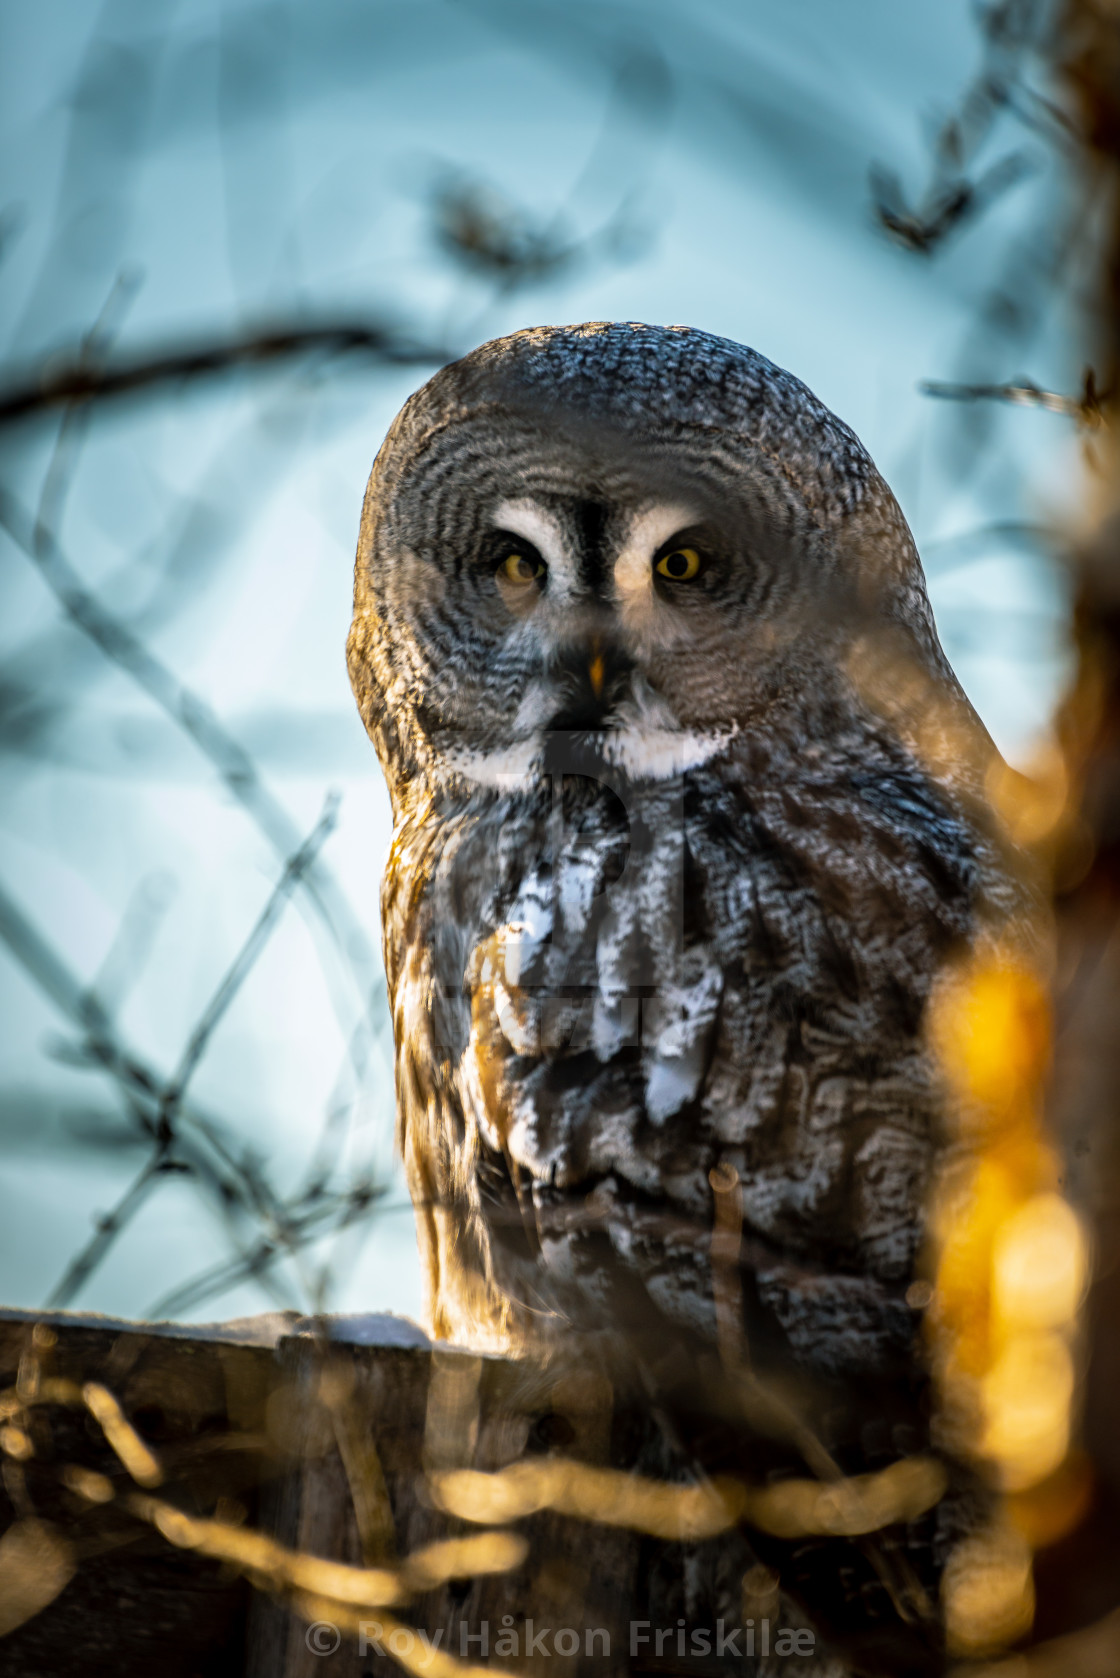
(687, 820)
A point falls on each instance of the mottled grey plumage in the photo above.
(675, 863)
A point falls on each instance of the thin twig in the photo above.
(1087, 409)
(107, 1229)
(294, 869)
(234, 1181)
(303, 1224)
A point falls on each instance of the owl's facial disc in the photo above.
(583, 588)
(587, 581)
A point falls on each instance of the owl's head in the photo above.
(645, 532)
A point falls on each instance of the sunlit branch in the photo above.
(1088, 408)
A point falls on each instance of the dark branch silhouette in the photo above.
(65, 380)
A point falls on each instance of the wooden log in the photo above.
(135, 1605)
(586, 1598)
(431, 1410)
(331, 1448)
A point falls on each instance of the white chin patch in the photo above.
(505, 766)
(642, 754)
(657, 754)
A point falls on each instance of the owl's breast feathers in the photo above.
(602, 990)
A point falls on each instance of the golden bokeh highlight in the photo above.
(87, 1483)
(988, 1591)
(1027, 1397)
(1040, 1265)
(36, 1564)
(1009, 1265)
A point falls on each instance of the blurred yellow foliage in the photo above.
(1010, 1267)
(991, 1029)
(988, 1591)
(1033, 805)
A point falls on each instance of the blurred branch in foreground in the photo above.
(1023, 1337)
(1013, 35)
(1071, 1517)
(65, 379)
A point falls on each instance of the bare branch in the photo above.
(197, 720)
(1012, 33)
(294, 870)
(66, 379)
(233, 1180)
(1086, 409)
(107, 1228)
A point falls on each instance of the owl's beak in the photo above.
(596, 670)
(592, 677)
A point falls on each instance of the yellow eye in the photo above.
(681, 565)
(517, 568)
